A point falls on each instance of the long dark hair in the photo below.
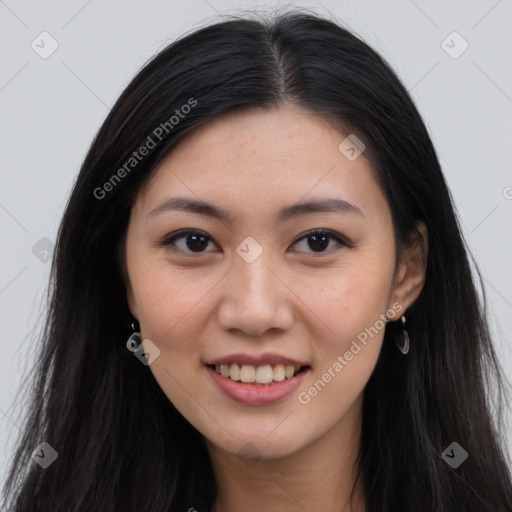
(121, 444)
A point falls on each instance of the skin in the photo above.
(307, 305)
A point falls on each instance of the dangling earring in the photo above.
(134, 340)
(402, 338)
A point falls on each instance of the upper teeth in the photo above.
(260, 374)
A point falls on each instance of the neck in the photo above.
(320, 476)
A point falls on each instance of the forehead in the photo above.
(254, 159)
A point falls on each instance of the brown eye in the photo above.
(318, 241)
(193, 241)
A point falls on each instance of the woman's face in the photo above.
(253, 284)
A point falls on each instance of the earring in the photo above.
(402, 338)
(134, 340)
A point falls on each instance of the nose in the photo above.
(255, 298)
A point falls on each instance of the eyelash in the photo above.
(171, 239)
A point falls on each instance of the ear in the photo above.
(132, 304)
(411, 272)
(130, 297)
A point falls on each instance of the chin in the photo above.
(254, 448)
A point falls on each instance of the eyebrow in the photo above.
(203, 208)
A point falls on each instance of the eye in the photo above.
(196, 241)
(320, 239)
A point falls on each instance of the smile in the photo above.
(264, 375)
(258, 393)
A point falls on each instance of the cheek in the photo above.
(167, 301)
(345, 358)
(171, 309)
(352, 308)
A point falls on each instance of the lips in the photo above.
(257, 394)
(259, 360)
(257, 379)
(265, 374)
(263, 369)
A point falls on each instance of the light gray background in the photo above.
(51, 109)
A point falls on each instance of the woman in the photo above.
(261, 298)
